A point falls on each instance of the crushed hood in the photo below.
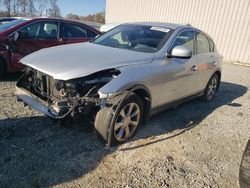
(78, 60)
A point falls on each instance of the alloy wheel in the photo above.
(212, 87)
(127, 122)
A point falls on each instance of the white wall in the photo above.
(226, 21)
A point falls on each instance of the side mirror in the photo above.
(21, 35)
(16, 36)
(181, 51)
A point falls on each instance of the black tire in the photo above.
(245, 168)
(2, 69)
(106, 118)
(210, 92)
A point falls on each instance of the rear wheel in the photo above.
(126, 119)
(245, 168)
(211, 88)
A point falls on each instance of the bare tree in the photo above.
(54, 10)
(22, 7)
(30, 7)
(72, 16)
(15, 13)
(41, 5)
(7, 4)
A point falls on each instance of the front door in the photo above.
(179, 75)
(33, 37)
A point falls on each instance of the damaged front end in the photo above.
(58, 99)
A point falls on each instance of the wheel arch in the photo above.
(218, 72)
(144, 93)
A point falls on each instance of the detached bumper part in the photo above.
(35, 103)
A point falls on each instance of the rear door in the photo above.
(207, 59)
(35, 36)
(75, 33)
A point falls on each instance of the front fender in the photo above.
(128, 78)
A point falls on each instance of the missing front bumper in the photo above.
(37, 104)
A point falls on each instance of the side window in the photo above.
(211, 43)
(72, 31)
(40, 30)
(49, 30)
(30, 31)
(91, 34)
(185, 38)
(202, 44)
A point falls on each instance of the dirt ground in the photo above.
(196, 145)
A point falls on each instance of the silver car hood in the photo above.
(78, 60)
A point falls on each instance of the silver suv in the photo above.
(122, 77)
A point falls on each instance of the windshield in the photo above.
(11, 24)
(136, 37)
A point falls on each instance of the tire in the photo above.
(245, 168)
(117, 126)
(2, 69)
(211, 88)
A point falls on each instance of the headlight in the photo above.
(105, 95)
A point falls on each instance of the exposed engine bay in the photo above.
(63, 98)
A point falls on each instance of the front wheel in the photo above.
(121, 123)
(211, 88)
(2, 69)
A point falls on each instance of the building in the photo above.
(226, 21)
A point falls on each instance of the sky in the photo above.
(81, 7)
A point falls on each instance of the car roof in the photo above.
(160, 24)
(31, 19)
(54, 18)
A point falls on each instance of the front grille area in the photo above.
(39, 84)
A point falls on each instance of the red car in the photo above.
(21, 37)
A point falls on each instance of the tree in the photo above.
(22, 6)
(54, 10)
(26, 7)
(3, 13)
(14, 7)
(99, 17)
(7, 4)
(73, 16)
(41, 5)
(31, 8)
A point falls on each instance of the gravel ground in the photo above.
(196, 145)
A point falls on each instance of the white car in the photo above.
(106, 27)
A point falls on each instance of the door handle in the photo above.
(214, 63)
(194, 68)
